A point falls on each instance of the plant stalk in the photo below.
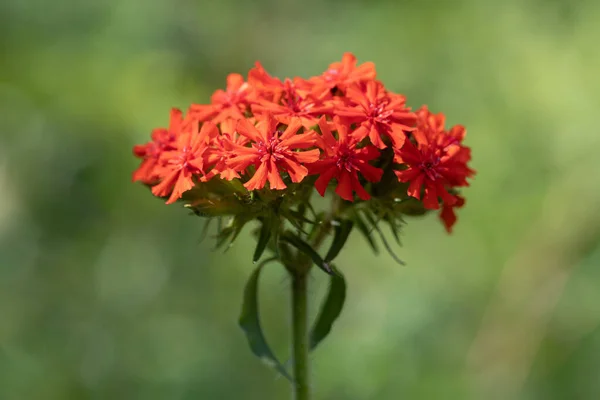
(300, 328)
(300, 340)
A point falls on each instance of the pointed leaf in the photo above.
(205, 229)
(249, 321)
(383, 239)
(395, 230)
(223, 235)
(342, 231)
(297, 220)
(331, 309)
(300, 216)
(263, 239)
(312, 211)
(307, 249)
(316, 227)
(238, 224)
(364, 229)
(302, 212)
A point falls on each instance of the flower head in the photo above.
(379, 112)
(343, 160)
(257, 135)
(162, 140)
(229, 103)
(272, 151)
(222, 150)
(180, 165)
(436, 162)
(342, 74)
(292, 102)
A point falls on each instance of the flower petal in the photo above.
(259, 179)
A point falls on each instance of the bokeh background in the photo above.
(106, 293)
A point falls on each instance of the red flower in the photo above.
(222, 147)
(448, 216)
(437, 162)
(285, 100)
(229, 103)
(184, 162)
(162, 139)
(343, 160)
(342, 74)
(292, 104)
(272, 151)
(379, 112)
(267, 86)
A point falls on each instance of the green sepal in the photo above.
(249, 321)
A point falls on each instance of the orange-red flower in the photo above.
(229, 103)
(285, 100)
(342, 74)
(258, 131)
(436, 162)
(343, 161)
(267, 86)
(222, 149)
(272, 151)
(179, 166)
(448, 216)
(380, 112)
(162, 140)
(291, 103)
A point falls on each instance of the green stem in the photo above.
(300, 342)
(300, 338)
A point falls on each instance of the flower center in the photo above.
(182, 160)
(377, 111)
(429, 168)
(272, 149)
(345, 159)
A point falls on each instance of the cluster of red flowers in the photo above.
(335, 125)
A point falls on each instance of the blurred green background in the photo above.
(106, 293)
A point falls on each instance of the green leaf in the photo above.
(263, 239)
(296, 219)
(231, 231)
(364, 229)
(307, 249)
(331, 309)
(250, 323)
(317, 227)
(383, 239)
(205, 229)
(395, 224)
(300, 216)
(223, 235)
(342, 231)
(302, 210)
(238, 224)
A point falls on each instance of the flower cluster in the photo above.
(340, 129)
